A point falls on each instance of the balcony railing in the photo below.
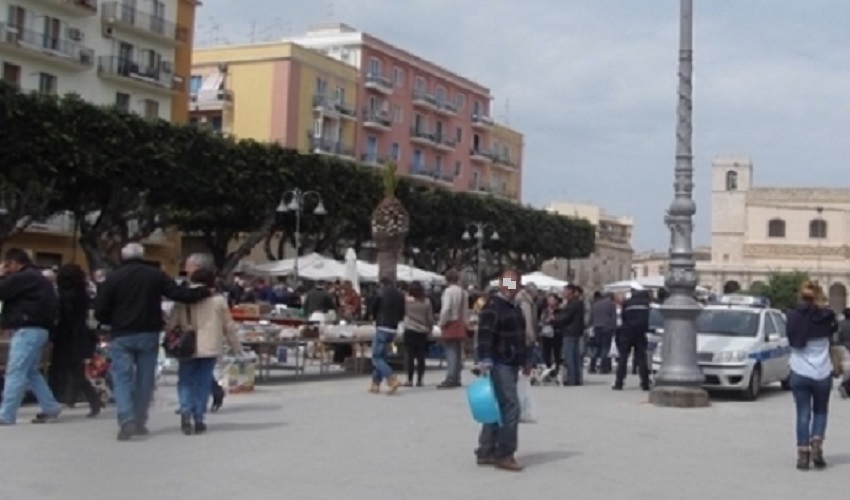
(323, 145)
(374, 158)
(444, 141)
(157, 75)
(422, 97)
(504, 160)
(212, 96)
(117, 12)
(480, 153)
(420, 169)
(46, 43)
(482, 120)
(379, 81)
(446, 107)
(82, 7)
(421, 133)
(381, 118)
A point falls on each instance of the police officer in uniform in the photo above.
(635, 317)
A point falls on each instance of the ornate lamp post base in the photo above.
(679, 397)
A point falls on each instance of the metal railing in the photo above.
(421, 133)
(129, 68)
(45, 41)
(378, 79)
(376, 116)
(127, 14)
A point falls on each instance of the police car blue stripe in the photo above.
(776, 352)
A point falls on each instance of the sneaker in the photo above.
(617, 387)
(186, 424)
(485, 461)
(141, 430)
(509, 464)
(45, 418)
(200, 427)
(127, 432)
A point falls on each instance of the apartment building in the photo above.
(133, 54)
(279, 92)
(497, 170)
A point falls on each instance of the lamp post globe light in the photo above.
(478, 231)
(679, 382)
(297, 199)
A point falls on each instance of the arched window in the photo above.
(731, 180)
(776, 228)
(817, 229)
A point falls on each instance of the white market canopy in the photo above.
(316, 267)
(540, 280)
(645, 282)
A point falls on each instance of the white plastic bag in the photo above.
(527, 407)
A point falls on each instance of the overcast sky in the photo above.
(592, 84)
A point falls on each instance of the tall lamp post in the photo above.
(478, 230)
(679, 382)
(296, 204)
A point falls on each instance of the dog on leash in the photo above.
(541, 375)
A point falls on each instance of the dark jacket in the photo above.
(635, 315)
(808, 322)
(318, 300)
(29, 299)
(130, 300)
(569, 319)
(501, 333)
(72, 339)
(388, 307)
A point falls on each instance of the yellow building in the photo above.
(502, 174)
(279, 92)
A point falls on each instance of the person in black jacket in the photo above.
(29, 310)
(388, 308)
(569, 320)
(635, 317)
(130, 302)
(73, 341)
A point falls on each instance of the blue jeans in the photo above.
(601, 354)
(454, 360)
(22, 371)
(380, 350)
(133, 370)
(194, 385)
(573, 365)
(500, 442)
(811, 398)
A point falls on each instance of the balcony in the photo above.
(482, 122)
(422, 171)
(425, 100)
(446, 108)
(72, 7)
(333, 108)
(116, 15)
(444, 143)
(374, 159)
(446, 178)
(321, 145)
(419, 135)
(211, 100)
(139, 75)
(480, 155)
(379, 82)
(44, 47)
(377, 120)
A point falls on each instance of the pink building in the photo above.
(434, 123)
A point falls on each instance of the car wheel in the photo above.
(786, 383)
(754, 388)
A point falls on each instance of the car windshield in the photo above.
(656, 319)
(728, 322)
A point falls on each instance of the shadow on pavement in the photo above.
(545, 457)
(237, 407)
(245, 426)
(839, 459)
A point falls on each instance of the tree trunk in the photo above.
(388, 250)
(248, 244)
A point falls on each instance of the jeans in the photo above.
(627, 344)
(500, 442)
(604, 337)
(22, 372)
(811, 397)
(133, 371)
(454, 360)
(573, 365)
(194, 386)
(380, 350)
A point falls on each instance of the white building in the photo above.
(112, 53)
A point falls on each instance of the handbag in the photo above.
(181, 342)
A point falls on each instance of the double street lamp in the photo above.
(297, 198)
(478, 230)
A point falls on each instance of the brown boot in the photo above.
(804, 456)
(817, 454)
(509, 464)
(375, 388)
(392, 385)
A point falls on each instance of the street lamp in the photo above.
(478, 230)
(679, 382)
(296, 204)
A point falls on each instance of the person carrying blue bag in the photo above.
(502, 351)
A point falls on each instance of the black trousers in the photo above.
(552, 350)
(67, 378)
(416, 350)
(626, 344)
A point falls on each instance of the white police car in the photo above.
(741, 346)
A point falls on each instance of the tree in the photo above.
(783, 288)
(390, 225)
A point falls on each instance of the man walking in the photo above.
(635, 317)
(454, 316)
(30, 310)
(130, 302)
(388, 309)
(603, 319)
(570, 321)
(502, 351)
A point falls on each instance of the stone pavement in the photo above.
(327, 440)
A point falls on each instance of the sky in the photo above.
(592, 85)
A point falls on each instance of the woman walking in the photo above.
(810, 328)
(73, 342)
(212, 322)
(551, 340)
(418, 323)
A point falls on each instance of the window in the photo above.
(52, 33)
(395, 152)
(340, 95)
(417, 158)
(216, 123)
(195, 84)
(12, 74)
(419, 123)
(457, 171)
(728, 322)
(731, 180)
(476, 108)
(817, 229)
(46, 84)
(373, 104)
(398, 116)
(151, 109)
(398, 77)
(318, 128)
(776, 228)
(439, 163)
(374, 67)
(779, 322)
(441, 94)
(420, 84)
(122, 102)
(321, 86)
(459, 135)
(158, 17)
(460, 101)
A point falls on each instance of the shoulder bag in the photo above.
(181, 342)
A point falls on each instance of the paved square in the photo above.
(331, 440)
